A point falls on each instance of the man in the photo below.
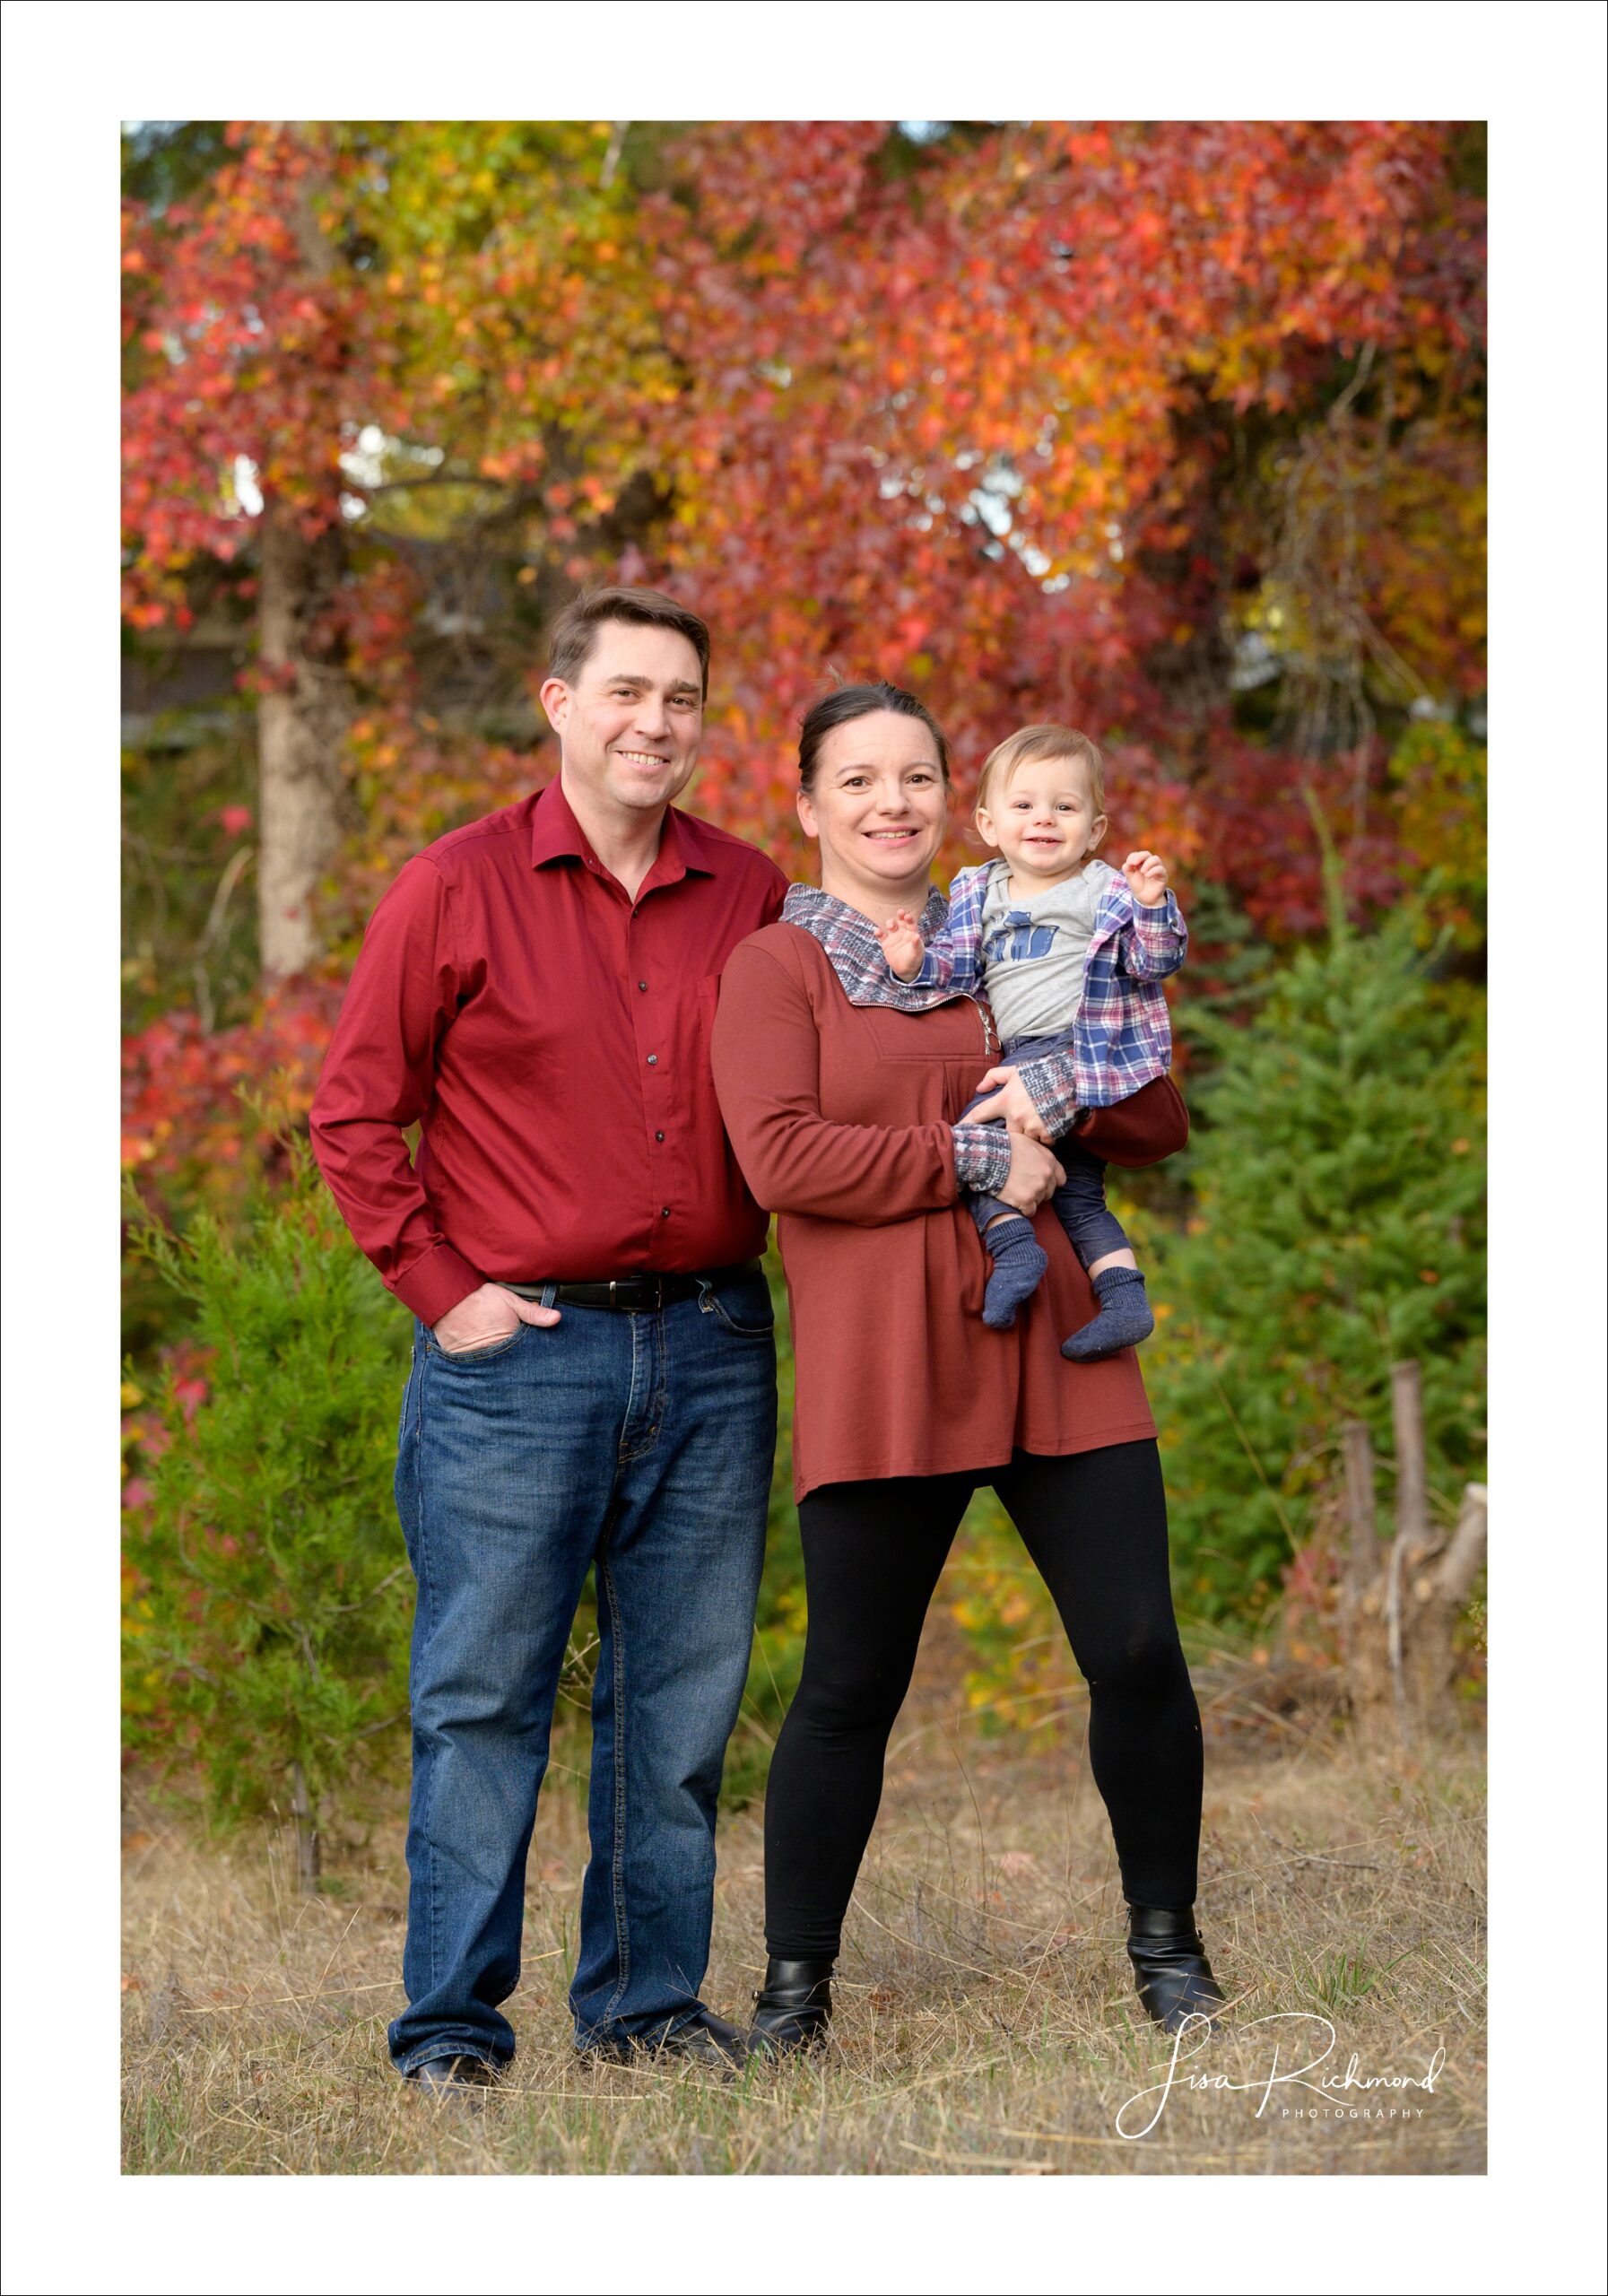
(593, 1377)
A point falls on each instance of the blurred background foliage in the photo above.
(1172, 430)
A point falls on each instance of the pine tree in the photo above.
(1338, 1227)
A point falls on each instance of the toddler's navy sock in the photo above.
(1125, 1318)
(1019, 1261)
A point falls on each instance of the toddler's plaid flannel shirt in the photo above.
(1123, 1039)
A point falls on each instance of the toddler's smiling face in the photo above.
(1043, 821)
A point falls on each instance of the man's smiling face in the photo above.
(629, 723)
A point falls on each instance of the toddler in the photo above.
(1071, 954)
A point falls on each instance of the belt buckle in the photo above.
(613, 1289)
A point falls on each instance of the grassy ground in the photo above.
(986, 2019)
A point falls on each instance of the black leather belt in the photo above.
(636, 1293)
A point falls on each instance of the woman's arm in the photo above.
(1040, 1099)
(765, 1053)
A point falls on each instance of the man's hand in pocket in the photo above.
(491, 1314)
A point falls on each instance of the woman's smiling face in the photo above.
(877, 807)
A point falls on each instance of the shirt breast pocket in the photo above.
(959, 1031)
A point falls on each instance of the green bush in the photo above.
(266, 1644)
(1338, 1227)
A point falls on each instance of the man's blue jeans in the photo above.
(637, 1446)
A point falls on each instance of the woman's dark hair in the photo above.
(849, 702)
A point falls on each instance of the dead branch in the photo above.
(1460, 1564)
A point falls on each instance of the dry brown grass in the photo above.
(986, 2023)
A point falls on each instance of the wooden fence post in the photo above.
(1401, 1603)
(1362, 1545)
(1412, 1524)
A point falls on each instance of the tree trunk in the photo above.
(1400, 1604)
(301, 725)
(310, 1857)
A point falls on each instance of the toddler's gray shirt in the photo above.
(1034, 950)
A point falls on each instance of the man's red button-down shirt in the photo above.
(550, 1036)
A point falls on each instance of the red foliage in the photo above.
(183, 1116)
(1082, 315)
(1009, 421)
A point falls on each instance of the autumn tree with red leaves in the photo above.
(1172, 429)
(272, 332)
(1047, 425)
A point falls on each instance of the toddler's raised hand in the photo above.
(1146, 873)
(902, 943)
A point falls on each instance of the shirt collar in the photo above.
(854, 951)
(555, 835)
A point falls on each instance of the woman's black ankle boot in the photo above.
(1169, 1962)
(794, 2006)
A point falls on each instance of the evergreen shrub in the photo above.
(267, 1642)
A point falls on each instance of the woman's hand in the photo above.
(1034, 1176)
(1010, 1105)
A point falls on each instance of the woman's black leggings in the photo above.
(1096, 1526)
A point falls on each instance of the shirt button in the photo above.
(665, 1214)
(658, 1136)
(641, 984)
(653, 1059)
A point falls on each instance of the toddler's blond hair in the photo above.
(1030, 747)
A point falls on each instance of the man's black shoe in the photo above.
(462, 2078)
(703, 2039)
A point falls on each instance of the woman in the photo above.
(840, 1092)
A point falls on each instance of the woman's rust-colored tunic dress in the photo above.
(840, 1115)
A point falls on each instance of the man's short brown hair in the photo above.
(574, 634)
(1030, 747)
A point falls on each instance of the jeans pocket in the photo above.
(745, 1309)
(479, 1354)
